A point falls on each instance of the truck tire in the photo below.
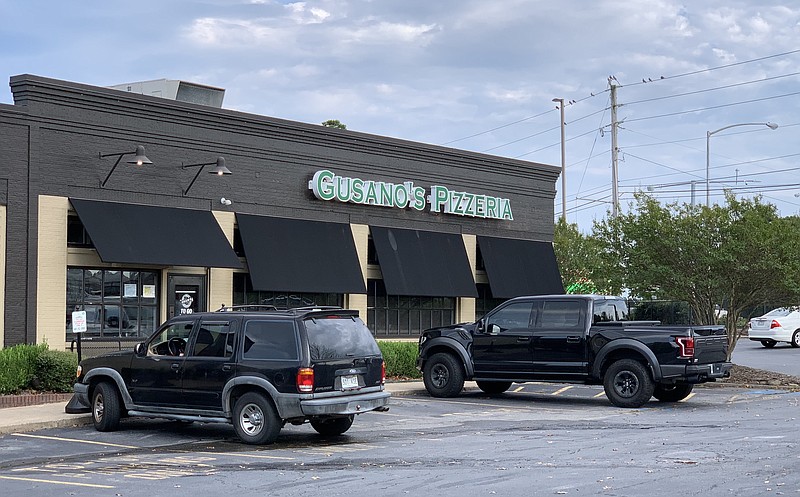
(255, 420)
(106, 408)
(628, 384)
(494, 387)
(443, 375)
(672, 393)
(332, 427)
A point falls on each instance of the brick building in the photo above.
(411, 235)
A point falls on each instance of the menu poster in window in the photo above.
(149, 291)
(130, 290)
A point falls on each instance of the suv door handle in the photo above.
(226, 367)
(523, 339)
(573, 339)
(176, 366)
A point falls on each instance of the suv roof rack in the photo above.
(272, 308)
(247, 307)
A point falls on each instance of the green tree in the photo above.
(741, 253)
(334, 123)
(584, 267)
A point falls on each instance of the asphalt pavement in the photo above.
(43, 416)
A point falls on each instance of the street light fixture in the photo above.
(560, 102)
(708, 153)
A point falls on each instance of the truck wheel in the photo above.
(672, 393)
(106, 409)
(333, 426)
(796, 339)
(443, 375)
(628, 384)
(494, 387)
(768, 343)
(255, 420)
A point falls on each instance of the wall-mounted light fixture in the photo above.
(225, 201)
(219, 170)
(138, 159)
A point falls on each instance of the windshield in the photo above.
(339, 337)
(610, 310)
(779, 313)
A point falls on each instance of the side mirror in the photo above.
(494, 329)
(140, 349)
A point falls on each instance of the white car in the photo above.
(778, 325)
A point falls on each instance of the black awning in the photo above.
(423, 263)
(520, 267)
(300, 256)
(162, 236)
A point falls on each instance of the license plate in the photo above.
(349, 381)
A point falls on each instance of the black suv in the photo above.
(256, 369)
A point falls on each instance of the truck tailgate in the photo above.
(710, 344)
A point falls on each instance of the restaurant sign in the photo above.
(328, 186)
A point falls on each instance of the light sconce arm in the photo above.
(138, 159)
(219, 170)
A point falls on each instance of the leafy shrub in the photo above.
(400, 358)
(17, 367)
(55, 371)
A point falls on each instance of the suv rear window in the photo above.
(275, 340)
(339, 337)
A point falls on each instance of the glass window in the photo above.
(243, 294)
(118, 303)
(171, 340)
(563, 314)
(271, 340)
(214, 339)
(513, 316)
(76, 233)
(402, 315)
(609, 310)
(485, 301)
(339, 337)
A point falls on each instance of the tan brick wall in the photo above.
(465, 310)
(361, 238)
(221, 279)
(51, 276)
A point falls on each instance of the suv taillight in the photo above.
(305, 380)
(686, 345)
(383, 372)
(774, 324)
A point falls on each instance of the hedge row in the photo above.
(35, 367)
(400, 359)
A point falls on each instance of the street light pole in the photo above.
(708, 150)
(560, 102)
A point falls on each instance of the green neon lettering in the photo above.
(358, 191)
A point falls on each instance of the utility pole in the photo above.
(560, 102)
(614, 154)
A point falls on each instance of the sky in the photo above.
(478, 75)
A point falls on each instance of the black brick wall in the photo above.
(53, 134)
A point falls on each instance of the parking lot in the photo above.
(538, 439)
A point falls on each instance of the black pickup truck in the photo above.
(574, 339)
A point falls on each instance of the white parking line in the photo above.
(72, 483)
(92, 442)
(561, 390)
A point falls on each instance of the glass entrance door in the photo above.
(187, 294)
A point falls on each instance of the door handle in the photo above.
(226, 367)
(175, 366)
(573, 339)
(523, 339)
